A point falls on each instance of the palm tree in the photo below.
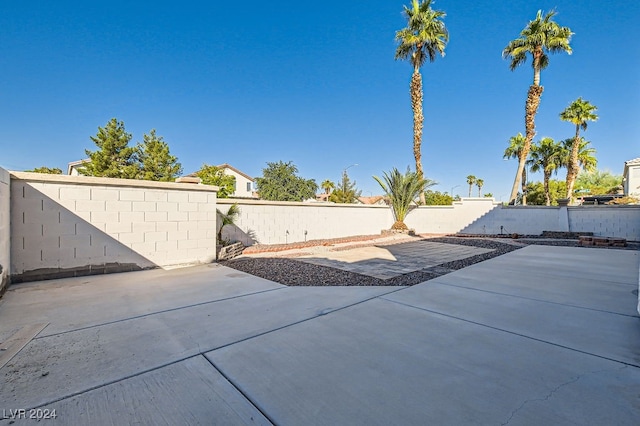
(424, 37)
(327, 185)
(514, 150)
(579, 112)
(479, 184)
(228, 218)
(539, 38)
(471, 180)
(587, 160)
(547, 157)
(402, 190)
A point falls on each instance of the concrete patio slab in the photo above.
(383, 363)
(64, 364)
(187, 392)
(542, 335)
(386, 262)
(74, 303)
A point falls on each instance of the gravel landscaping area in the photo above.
(292, 272)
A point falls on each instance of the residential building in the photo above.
(631, 178)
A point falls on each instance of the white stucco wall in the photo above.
(5, 227)
(269, 222)
(241, 184)
(608, 221)
(68, 224)
(632, 180)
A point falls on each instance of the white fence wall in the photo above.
(268, 222)
(75, 225)
(5, 229)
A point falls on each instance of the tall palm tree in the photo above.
(327, 185)
(479, 184)
(424, 37)
(579, 112)
(402, 190)
(514, 150)
(547, 156)
(587, 160)
(539, 38)
(471, 180)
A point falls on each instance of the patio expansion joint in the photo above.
(201, 352)
(42, 336)
(510, 332)
(536, 300)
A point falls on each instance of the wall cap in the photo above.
(103, 181)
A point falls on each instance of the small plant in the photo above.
(402, 190)
(228, 218)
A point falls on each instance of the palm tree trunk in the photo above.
(470, 187)
(547, 191)
(524, 186)
(418, 121)
(531, 108)
(572, 168)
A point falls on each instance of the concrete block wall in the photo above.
(523, 220)
(607, 221)
(450, 219)
(269, 222)
(76, 225)
(5, 229)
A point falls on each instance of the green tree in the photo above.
(547, 156)
(514, 150)
(437, 198)
(402, 190)
(279, 182)
(327, 185)
(539, 38)
(586, 155)
(422, 39)
(536, 194)
(47, 170)
(471, 180)
(156, 163)
(212, 175)
(114, 158)
(599, 182)
(488, 195)
(346, 191)
(479, 184)
(579, 112)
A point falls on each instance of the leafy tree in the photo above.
(156, 163)
(402, 190)
(437, 198)
(346, 191)
(471, 180)
(539, 38)
(228, 218)
(114, 158)
(424, 37)
(488, 195)
(212, 175)
(514, 150)
(279, 182)
(547, 156)
(47, 170)
(536, 194)
(479, 184)
(579, 112)
(599, 182)
(327, 185)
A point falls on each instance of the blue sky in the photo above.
(314, 83)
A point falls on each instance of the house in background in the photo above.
(244, 183)
(631, 178)
(72, 167)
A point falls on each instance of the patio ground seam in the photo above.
(508, 331)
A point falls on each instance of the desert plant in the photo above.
(402, 190)
(228, 218)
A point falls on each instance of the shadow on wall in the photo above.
(235, 234)
(49, 241)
